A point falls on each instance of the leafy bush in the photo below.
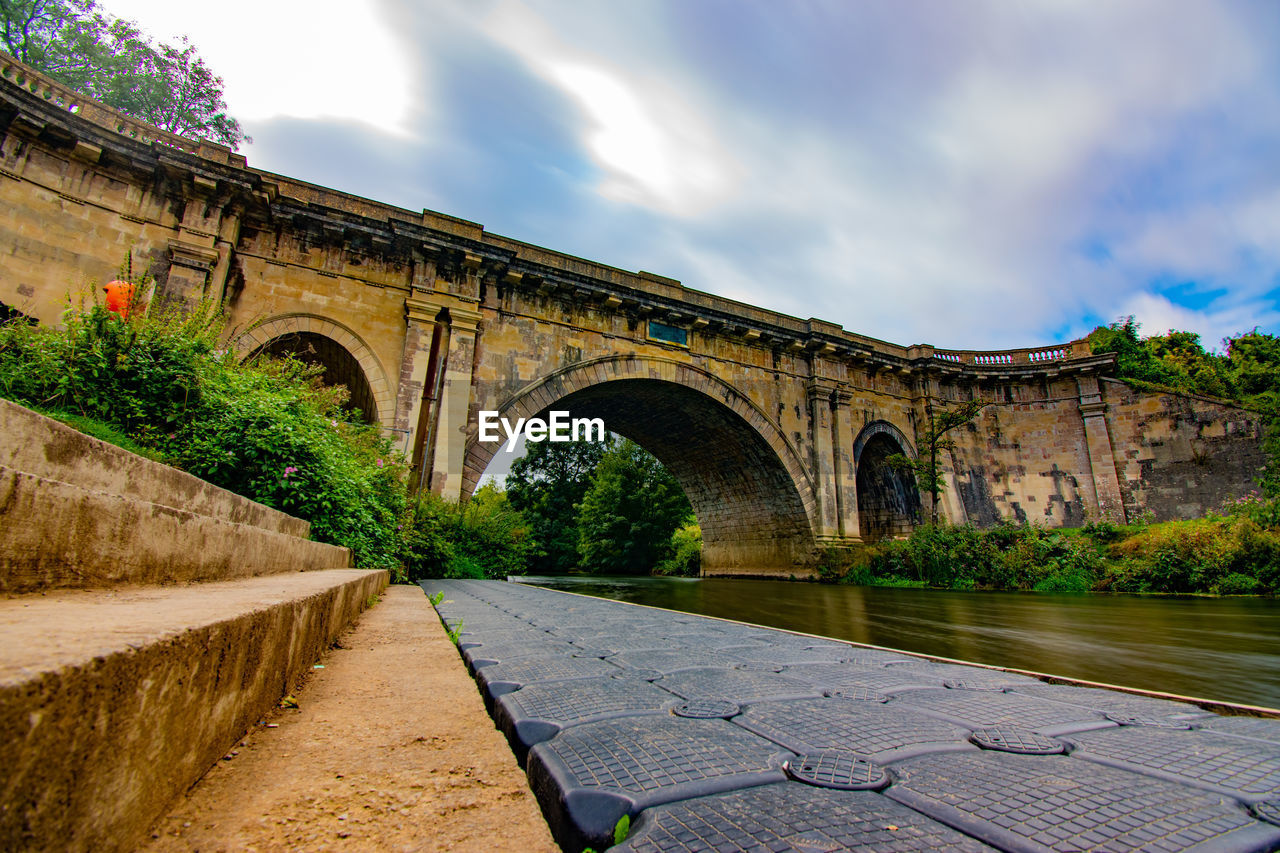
(1262, 511)
(1208, 555)
(1005, 557)
(483, 538)
(686, 561)
(266, 430)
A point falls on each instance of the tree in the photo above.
(926, 467)
(546, 485)
(111, 60)
(627, 517)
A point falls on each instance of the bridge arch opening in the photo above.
(340, 367)
(747, 493)
(888, 500)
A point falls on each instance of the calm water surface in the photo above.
(1213, 648)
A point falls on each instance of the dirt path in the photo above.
(390, 749)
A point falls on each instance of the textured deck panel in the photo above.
(712, 735)
(883, 732)
(538, 712)
(1249, 770)
(589, 776)
(790, 816)
(1038, 803)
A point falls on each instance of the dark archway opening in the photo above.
(752, 518)
(340, 367)
(888, 501)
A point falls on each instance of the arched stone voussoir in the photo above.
(749, 489)
(262, 333)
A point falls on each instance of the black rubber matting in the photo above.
(539, 711)
(1036, 803)
(1100, 699)
(791, 817)
(1246, 769)
(671, 661)
(826, 676)
(881, 732)
(504, 677)
(589, 776)
(982, 709)
(735, 685)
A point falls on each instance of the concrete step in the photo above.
(58, 535)
(44, 447)
(113, 702)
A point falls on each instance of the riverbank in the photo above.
(389, 749)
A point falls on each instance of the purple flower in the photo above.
(290, 470)
(379, 463)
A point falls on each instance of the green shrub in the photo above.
(492, 534)
(686, 560)
(1238, 584)
(266, 430)
(483, 538)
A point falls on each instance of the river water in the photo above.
(1213, 648)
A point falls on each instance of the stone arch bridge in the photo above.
(778, 427)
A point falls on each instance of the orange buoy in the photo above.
(120, 297)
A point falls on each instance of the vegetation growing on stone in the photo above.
(1248, 373)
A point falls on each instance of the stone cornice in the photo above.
(105, 139)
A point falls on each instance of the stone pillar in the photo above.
(824, 467)
(1102, 462)
(225, 245)
(189, 268)
(448, 452)
(412, 395)
(846, 487)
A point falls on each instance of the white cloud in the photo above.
(650, 141)
(294, 58)
(1158, 315)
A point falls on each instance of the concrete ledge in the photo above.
(112, 703)
(42, 446)
(58, 535)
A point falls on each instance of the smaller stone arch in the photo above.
(888, 500)
(380, 396)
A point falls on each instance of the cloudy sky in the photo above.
(967, 174)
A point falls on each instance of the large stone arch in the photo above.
(260, 335)
(749, 490)
(888, 501)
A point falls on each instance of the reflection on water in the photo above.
(1213, 648)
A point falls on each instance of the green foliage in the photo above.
(436, 597)
(546, 485)
(455, 633)
(686, 559)
(484, 537)
(1228, 556)
(102, 432)
(76, 43)
(622, 829)
(492, 534)
(1198, 556)
(267, 430)
(627, 517)
(1249, 374)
